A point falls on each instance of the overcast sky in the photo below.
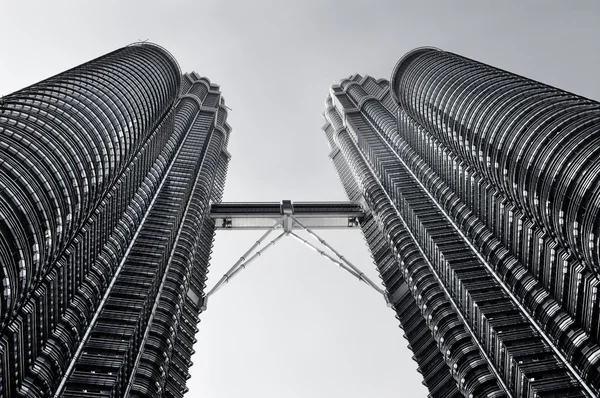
(292, 324)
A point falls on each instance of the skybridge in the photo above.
(287, 216)
(262, 216)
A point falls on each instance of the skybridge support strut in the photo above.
(241, 263)
(323, 215)
(355, 271)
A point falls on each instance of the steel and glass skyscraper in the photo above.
(479, 195)
(107, 172)
(482, 191)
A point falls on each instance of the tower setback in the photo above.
(482, 194)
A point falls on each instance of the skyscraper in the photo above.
(482, 197)
(480, 192)
(107, 172)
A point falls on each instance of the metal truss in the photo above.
(289, 222)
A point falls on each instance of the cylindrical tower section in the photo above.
(540, 146)
(63, 143)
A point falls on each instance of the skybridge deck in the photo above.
(262, 215)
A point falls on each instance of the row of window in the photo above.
(412, 260)
(77, 286)
(55, 163)
(525, 240)
(134, 297)
(559, 334)
(389, 178)
(189, 263)
(162, 337)
(461, 274)
(562, 283)
(541, 142)
(78, 273)
(430, 362)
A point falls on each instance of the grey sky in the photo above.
(292, 324)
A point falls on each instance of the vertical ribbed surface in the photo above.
(537, 145)
(521, 297)
(522, 159)
(430, 362)
(143, 337)
(106, 173)
(78, 148)
(454, 339)
(65, 142)
(163, 369)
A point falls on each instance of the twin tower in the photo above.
(479, 195)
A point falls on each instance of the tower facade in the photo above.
(482, 191)
(107, 172)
